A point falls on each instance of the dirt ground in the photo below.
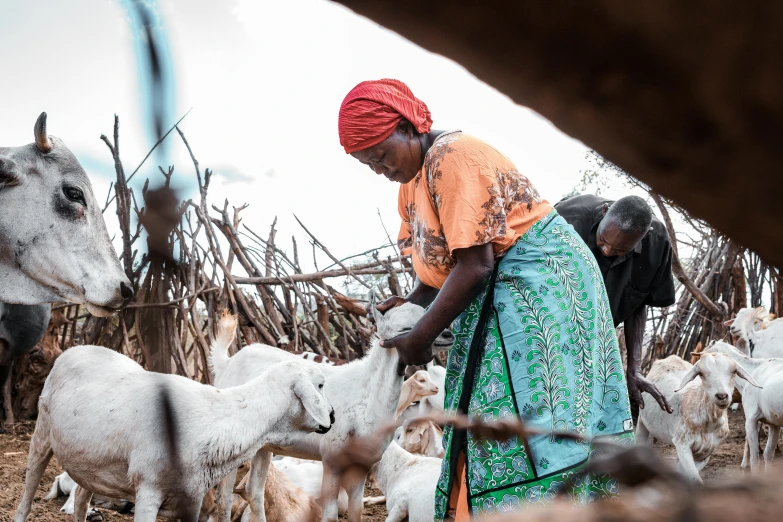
(15, 443)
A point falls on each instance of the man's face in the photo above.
(614, 242)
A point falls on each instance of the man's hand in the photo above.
(638, 384)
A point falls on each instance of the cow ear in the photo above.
(9, 172)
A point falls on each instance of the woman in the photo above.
(534, 333)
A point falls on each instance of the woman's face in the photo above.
(398, 157)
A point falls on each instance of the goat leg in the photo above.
(397, 513)
(148, 502)
(254, 491)
(752, 440)
(330, 490)
(81, 503)
(356, 500)
(39, 456)
(772, 443)
(6, 377)
(223, 497)
(687, 466)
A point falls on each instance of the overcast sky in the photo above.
(265, 80)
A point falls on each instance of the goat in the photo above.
(307, 475)
(421, 437)
(54, 245)
(408, 481)
(762, 335)
(323, 359)
(762, 404)
(364, 393)
(64, 485)
(21, 328)
(416, 388)
(699, 396)
(114, 442)
(285, 498)
(435, 402)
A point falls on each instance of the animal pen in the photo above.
(201, 259)
(190, 261)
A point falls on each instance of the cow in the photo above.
(54, 245)
(21, 328)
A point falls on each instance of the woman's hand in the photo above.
(383, 307)
(413, 347)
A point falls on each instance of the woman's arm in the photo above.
(468, 277)
(422, 294)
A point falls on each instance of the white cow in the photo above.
(53, 241)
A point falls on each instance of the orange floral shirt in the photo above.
(466, 194)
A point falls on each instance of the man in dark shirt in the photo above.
(633, 252)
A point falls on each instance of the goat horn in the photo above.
(41, 139)
(729, 322)
(697, 354)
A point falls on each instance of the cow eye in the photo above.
(74, 194)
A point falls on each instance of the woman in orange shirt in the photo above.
(527, 304)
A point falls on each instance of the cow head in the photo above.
(54, 245)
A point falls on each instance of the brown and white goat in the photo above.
(699, 396)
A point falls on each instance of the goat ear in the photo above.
(416, 437)
(692, 374)
(743, 373)
(313, 402)
(372, 309)
(9, 172)
(729, 322)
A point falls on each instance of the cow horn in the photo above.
(41, 138)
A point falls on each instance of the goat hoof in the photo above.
(94, 515)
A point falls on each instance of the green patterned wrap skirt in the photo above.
(547, 353)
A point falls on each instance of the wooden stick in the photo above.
(316, 276)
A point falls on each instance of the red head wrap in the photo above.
(372, 110)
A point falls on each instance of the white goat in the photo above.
(435, 402)
(115, 442)
(421, 437)
(364, 394)
(761, 405)
(763, 336)
(409, 483)
(416, 388)
(64, 485)
(699, 395)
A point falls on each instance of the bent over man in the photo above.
(634, 254)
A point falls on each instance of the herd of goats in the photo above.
(175, 447)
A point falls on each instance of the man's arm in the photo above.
(637, 383)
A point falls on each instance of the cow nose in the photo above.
(721, 396)
(127, 292)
